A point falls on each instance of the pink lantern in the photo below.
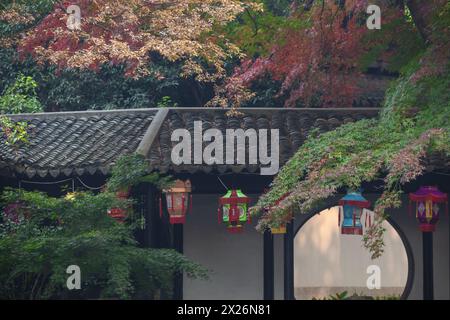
(429, 201)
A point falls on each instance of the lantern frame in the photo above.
(119, 214)
(278, 230)
(178, 201)
(355, 202)
(429, 197)
(282, 228)
(234, 200)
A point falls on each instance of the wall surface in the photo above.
(328, 262)
(236, 260)
(410, 228)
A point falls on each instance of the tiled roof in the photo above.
(293, 124)
(77, 143)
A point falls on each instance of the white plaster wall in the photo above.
(410, 228)
(323, 257)
(236, 261)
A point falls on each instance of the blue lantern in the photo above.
(352, 205)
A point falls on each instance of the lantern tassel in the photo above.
(339, 217)
(190, 203)
(160, 207)
(367, 218)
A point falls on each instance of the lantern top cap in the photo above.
(234, 193)
(428, 193)
(234, 196)
(355, 198)
(180, 186)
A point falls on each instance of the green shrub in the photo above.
(41, 236)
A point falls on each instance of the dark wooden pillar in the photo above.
(178, 246)
(428, 287)
(289, 262)
(147, 206)
(268, 266)
(152, 219)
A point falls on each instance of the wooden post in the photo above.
(146, 206)
(428, 286)
(289, 262)
(178, 246)
(151, 237)
(268, 266)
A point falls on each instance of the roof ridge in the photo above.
(152, 131)
(77, 113)
(206, 109)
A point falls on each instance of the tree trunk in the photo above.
(423, 13)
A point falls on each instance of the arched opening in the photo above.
(328, 264)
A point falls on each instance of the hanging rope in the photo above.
(43, 182)
(59, 182)
(89, 187)
(222, 183)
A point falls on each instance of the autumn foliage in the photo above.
(410, 139)
(316, 65)
(130, 31)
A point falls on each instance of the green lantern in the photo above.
(233, 210)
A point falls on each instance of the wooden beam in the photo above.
(178, 246)
(268, 266)
(289, 262)
(152, 132)
(428, 285)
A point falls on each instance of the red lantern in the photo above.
(428, 201)
(178, 201)
(233, 210)
(119, 214)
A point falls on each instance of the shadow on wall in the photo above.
(327, 262)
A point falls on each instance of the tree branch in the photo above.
(423, 13)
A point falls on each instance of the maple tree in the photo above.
(397, 148)
(129, 31)
(317, 58)
(17, 16)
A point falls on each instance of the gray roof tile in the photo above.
(78, 143)
(86, 142)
